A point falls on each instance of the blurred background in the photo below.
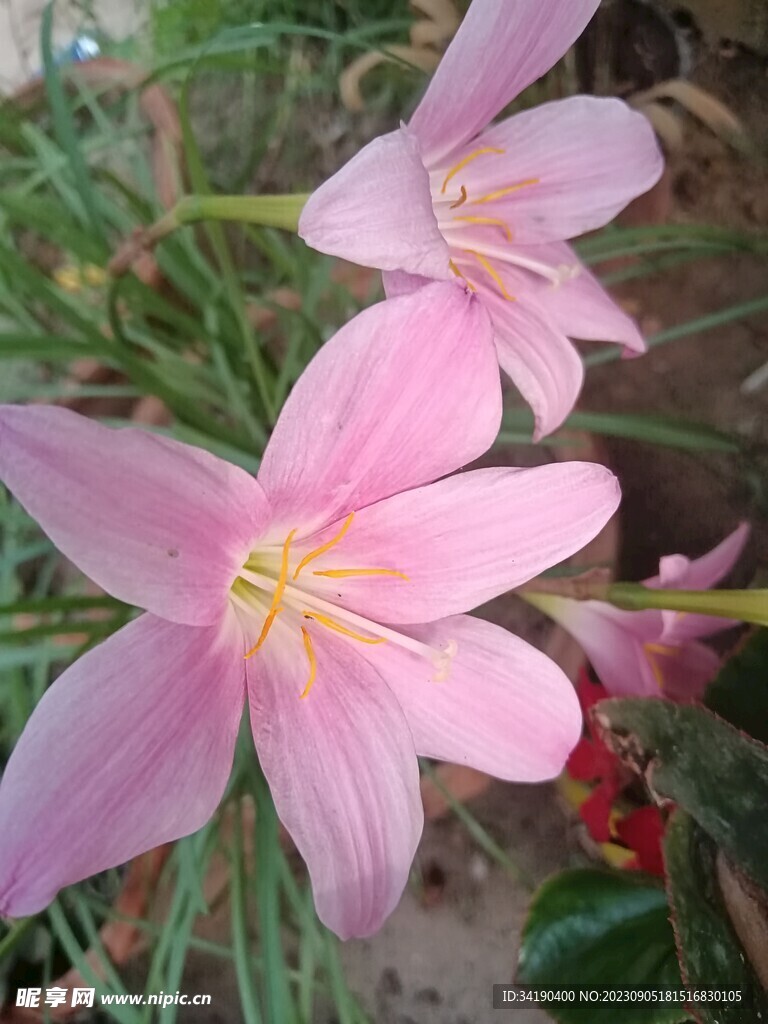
(113, 110)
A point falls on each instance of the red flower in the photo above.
(592, 761)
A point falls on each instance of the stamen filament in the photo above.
(303, 600)
(505, 191)
(651, 651)
(276, 597)
(338, 628)
(489, 220)
(340, 574)
(324, 547)
(312, 663)
(488, 267)
(458, 273)
(468, 160)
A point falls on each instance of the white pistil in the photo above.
(557, 275)
(300, 599)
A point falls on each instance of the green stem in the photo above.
(266, 211)
(16, 933)
(742, 605)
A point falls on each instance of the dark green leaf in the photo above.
(602, 929)
(740, 692)
(709, 768)
(710, 952)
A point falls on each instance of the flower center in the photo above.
(266, 585)
(654, 652)
(490, 237)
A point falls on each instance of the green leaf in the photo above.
(64, 126)
(645, 427)
(602, 929)
(710, 952)
(716, 773)
(740, 692)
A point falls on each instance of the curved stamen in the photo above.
(340, 574)
(492, 272)
(467, 160)
(489, 220)
(312, 663)
(338, 628)
(324, 547)
(276, 597)
(504, 191)
(460, 201)
(458, 273)
(651, 651)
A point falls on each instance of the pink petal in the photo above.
(398, 282)
(466, 539)
(500, 48)
(155, 523)
(676, 572)
(505, 708)
(579, 161)
(130, 748)
(405, 393)
(611, 639)
(343, 774)
(687, 670)
(580, 307)
(539, 358)
(377, 211)
(680, 573)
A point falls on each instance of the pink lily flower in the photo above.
(449, 195)
(328, 593)
(650, 652)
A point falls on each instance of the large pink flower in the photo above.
(651, 652)
(339, 576)
(449, 195)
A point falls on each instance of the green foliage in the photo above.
(602, 929)
(710, 951)
(708, 768)
(740, 692)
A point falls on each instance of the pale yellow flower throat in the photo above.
(248, 592)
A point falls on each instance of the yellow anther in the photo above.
(312, 663)
(488, 220)
(324, 547)
(505, 191)
(665, 650)
(340, 574)
(467, 160)
(458, 273)
(324, 620)
(276, 597)
(461, 200)
(488, 267)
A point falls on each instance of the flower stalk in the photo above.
(266, 211)
(743, 605)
